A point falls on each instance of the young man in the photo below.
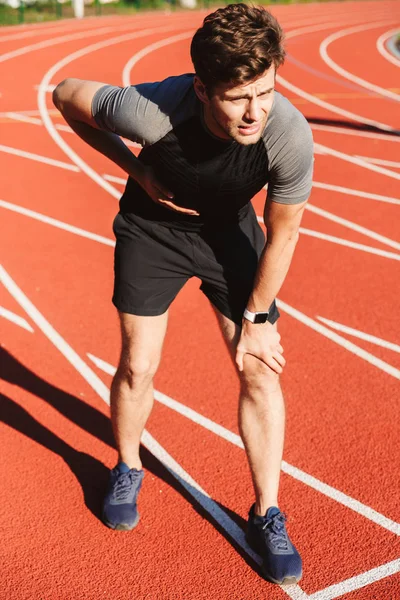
(211, 141)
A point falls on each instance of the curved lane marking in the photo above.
(323, 50)
(75, 158)
(330, 107)
(380, 44)
(233, 530)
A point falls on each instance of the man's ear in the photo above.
(200, 90)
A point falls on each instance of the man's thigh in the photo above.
(151, 264)
(142, 341)
(229, 271)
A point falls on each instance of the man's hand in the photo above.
(158, 192)
(263, 342)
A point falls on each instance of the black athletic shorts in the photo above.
(154, 261)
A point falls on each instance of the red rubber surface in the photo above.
(342, 426)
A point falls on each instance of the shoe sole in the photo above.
(286, 581)
(121, 526)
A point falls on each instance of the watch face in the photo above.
(261, 317)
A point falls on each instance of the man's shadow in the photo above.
(91, 474)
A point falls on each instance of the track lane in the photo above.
(184, 302)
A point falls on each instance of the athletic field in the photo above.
(60, 337)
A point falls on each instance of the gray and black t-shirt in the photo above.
(216, 177)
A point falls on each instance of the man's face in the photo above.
(240, 113)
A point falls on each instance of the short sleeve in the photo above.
(291, 169)
(142, 113)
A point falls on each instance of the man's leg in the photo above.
(262, 424)
(132, 387)
(131, 403)
(261, 420)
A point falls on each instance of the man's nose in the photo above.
(253, 110)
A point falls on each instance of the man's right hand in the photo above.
(158, 192)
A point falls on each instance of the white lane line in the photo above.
(330, 107)
(323, 50)
(341, 341)
(39, 158)
(353, 192)
(357, 582)
(380, 44)
(360, 334)
(43, 106)
(380, 161)
(348, 244)
(344, 242)
(294, 472)
(16, 319)
(60, 127)
(355, 132)
(147, 50)
(56, 223)
(354, 226)
(183, 477)
(109, 242)
(357, 161)
(54, 42)
(114, 179)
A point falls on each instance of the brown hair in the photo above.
(236, 44)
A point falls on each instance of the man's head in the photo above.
(235, 55)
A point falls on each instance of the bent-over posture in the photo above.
(211, 140)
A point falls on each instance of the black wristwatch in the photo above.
(255, 317)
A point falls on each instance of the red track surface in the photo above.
(342, 426)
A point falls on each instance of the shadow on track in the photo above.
(91, 473)
(352, 125)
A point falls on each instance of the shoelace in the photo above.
(124, 485)
(277, 532)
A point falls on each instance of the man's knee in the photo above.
(137, 371)
(257, 375)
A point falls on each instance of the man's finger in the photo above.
(239, 360)
(176, 208)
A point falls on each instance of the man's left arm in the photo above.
(262, 340)
(290, 168)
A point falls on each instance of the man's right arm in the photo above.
(74, 98)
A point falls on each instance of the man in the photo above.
(210, 142)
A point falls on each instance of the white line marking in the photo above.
(360, 335)
(352, 192)
(357, 582)
(54, 42)
(147, 50)
(348, 244)
(55, 223)
(114, 179)
(380, 161)
(344, 242)
(323, 50)
(330, 107)
(194, 489)
(341, 341)
(346, 223)
(380, 44)
(358, 161)
(43, 106)
(294, 472)
(17, 320)
(50, 88)
(350, 131)
(39, 158)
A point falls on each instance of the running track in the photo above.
(60, 341)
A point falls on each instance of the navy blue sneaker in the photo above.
(119, 507)
(268, 537)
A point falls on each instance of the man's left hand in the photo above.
(263, 342)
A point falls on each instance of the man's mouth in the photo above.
(249, 129)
